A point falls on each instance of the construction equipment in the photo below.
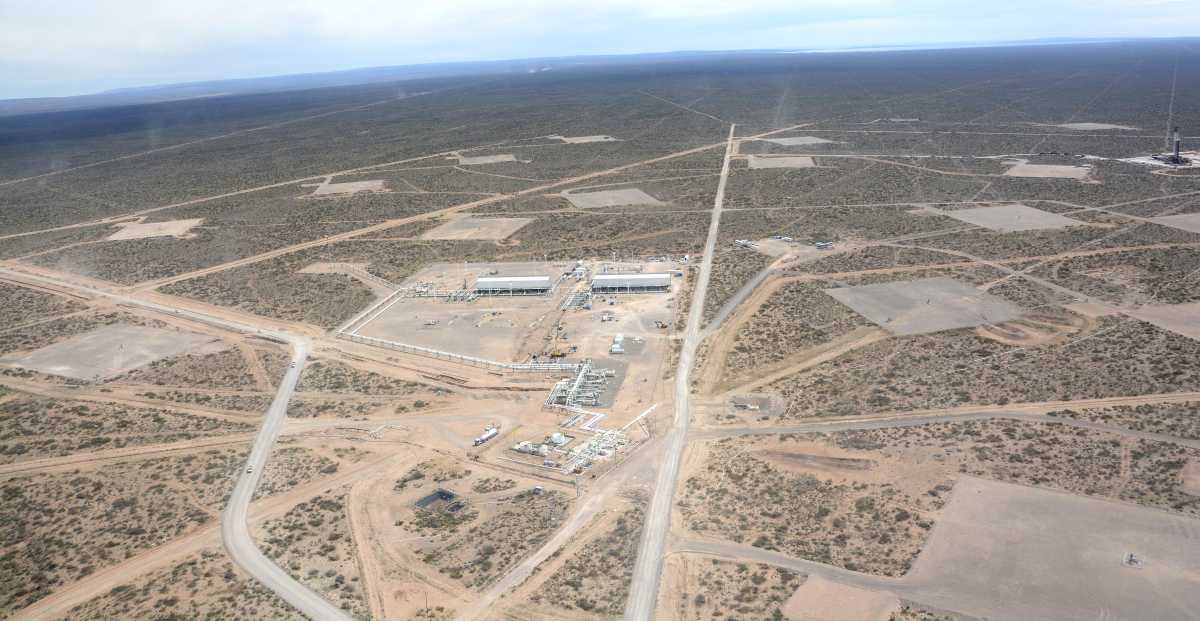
(556, 350)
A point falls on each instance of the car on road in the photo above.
(292, 365)
(249, 469)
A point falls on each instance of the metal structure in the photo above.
(577, 300)
(631, 283)
(1174, 158)
(572, 394)
(513, 285)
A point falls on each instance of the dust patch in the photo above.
(1022, 168)
(349, 187)
(808, 462)
(180, 229)
(924, 306)
(584, 139)
(1189, 222)
(1010, 218)
(1182, 319)
(1033, 330)
(1091, 126)
(796, 141)
(476, 160)
(110, 351)
(471, 227)
(820, 599)
(611, 198)
(780, 161)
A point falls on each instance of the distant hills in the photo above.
(369, 75)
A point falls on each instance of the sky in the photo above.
(69, 47)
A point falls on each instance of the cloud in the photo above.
(63, 45)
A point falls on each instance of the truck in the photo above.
(488, 434)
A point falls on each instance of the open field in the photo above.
(710, 589)
(817, 505)
(796, 316)
(1181, 420)
(596, 579)
(205, 586)
(19, 305)
(35, 427)
(313, 542)
(1122, 356)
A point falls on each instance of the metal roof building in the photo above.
(630, 283)
(512, 285)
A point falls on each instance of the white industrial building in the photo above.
(630, 283)
(513, 285)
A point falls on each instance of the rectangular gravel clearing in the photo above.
(349, 187)
(1009, 218)
(780, 161)
(464, 160)
(143, 230)
(1189, 222)
(924, 306)
(585, 139)
(111, 350)
(1052, 171)
(795, 141)
(477, 228)
(611, 198)
(1003, 551)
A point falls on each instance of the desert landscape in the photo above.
(888, 336)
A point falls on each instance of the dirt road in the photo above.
(643, 591)
(234, 528)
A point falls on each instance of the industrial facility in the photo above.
(631, 283)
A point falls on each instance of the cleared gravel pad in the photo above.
(924, 306)
(1003, 551)
(109, 351)
(611, 198)
(1009, 218)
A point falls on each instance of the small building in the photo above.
(630, 283)
(513, 285)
